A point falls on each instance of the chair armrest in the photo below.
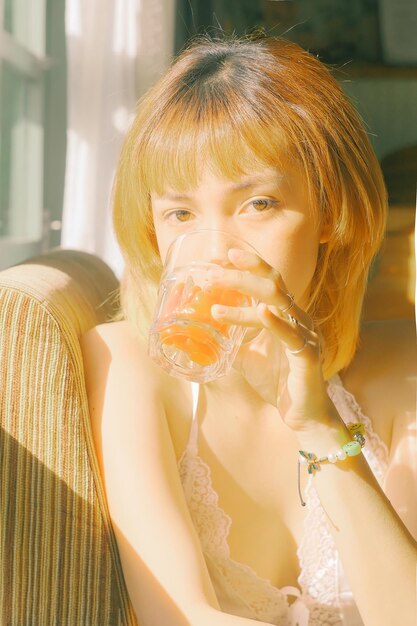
(60, 564)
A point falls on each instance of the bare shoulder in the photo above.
(114, 367)
(115, 344)
(116, 358)
(382, 374)
(117, 336)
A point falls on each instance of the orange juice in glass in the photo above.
(184, 338)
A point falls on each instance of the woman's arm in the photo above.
(162, 560)
(378, 552)
(400, 482)
(401, 477)
(382, 378)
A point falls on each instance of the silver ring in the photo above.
(291, 304)
(293, 320)
(299, 349)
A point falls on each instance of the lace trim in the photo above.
(265, 601)
(318, 598)
(317, 553)
(262, 599)
(211, 522)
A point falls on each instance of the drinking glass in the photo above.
(184, 338)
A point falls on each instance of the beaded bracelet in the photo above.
(352, 448)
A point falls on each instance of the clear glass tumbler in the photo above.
(184, 338)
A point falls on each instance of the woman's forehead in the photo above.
(240, 180)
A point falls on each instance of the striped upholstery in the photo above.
(59, 563)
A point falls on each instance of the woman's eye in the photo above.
(260, 205)
(176, 215)
(263, 204)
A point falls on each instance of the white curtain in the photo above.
(115, 49)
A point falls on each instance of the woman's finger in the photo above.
(298, 338)
(293, 334)
(262, 282)
(245, 316)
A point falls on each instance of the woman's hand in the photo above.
(292, 382)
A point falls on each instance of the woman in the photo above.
(256, 138)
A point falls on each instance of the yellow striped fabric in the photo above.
(59, 563)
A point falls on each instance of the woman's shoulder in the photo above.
(382, 374)
(115, 334)
(111, 343)
(117, 345)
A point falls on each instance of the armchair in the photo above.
(59, 562)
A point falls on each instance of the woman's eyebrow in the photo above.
(232, 187)
(255, 181)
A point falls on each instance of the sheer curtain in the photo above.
(116, 49)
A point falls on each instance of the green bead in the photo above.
(353, 448)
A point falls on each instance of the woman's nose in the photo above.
(218, 243)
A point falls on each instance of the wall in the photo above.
(389, 108)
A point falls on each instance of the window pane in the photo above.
(25, 20)
(21, 156)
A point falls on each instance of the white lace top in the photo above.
(323, 597)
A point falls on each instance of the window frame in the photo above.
(44, 74)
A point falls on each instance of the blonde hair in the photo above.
(239, 103)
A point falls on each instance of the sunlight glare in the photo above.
(73, 18)
(122, 118)
(76, 188)
(125, 26)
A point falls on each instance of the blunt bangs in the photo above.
(229, 136)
